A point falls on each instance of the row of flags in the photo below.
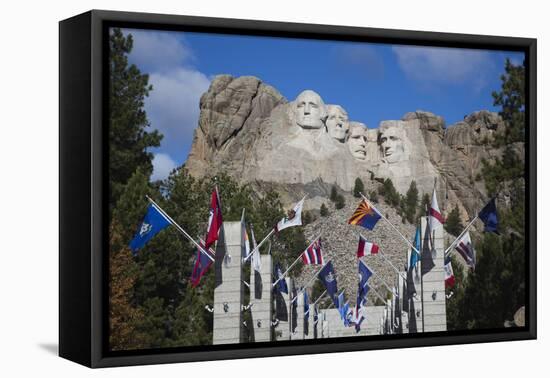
(156, 220)
(366, 215)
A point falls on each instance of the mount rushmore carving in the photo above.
(248, 130)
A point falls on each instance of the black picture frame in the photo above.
(83, 283)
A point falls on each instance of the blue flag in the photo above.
(327, 276)
(364, 274)
(415, 256)
(489, 216)
(281, 286)
(365, 215)
(153, 222)
(340, 301)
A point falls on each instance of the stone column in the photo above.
(261, 307)
(310, 319)
(298, 333)
(228, 293)
(433, 279)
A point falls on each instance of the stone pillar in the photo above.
(310, 319)
(261, 307)
(228, 293)
(433, 279)
(298, 333)
(403, 304)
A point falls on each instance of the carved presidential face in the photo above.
(357, 140)
(337, 122)
(392, 144)
(310, 110)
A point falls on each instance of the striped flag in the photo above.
(435, 219)
(313, 255)
(466, 250)
(366, 248)
(449, 274)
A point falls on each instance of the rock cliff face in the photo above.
(248, 130)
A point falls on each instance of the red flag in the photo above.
(449, 275)
(202, 263)
(366, 248)
(313, 255)
(215, 219)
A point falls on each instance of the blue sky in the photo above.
(373, 82)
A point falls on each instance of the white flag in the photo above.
(293, 218)
(466, 250)
(256, 259)
(435, 219)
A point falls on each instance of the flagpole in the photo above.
(267, 237)
(320, 297)
(308, 283)
(377, 275)
(295, 261)
(386, 219)
(384, 257)
(173, 222)
(375, 292)
(461, 235)
(393, 266)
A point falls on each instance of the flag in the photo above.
(313, 255)
(281, 286)
(153, 222)
(365, 215)
(294, 310)
(364, 274)
(202, 263)
(358, 318)
(343, 306)
(306, 313)
(466, 250)
(327, 276)
(246, 241)
(489, 216)
(256, 266)
(315, 321)
(435, 219)
(415, 256)
(449, 275)
(256, 258)
(293, 218)
(366, 248)
(215, 220)
(281, 311)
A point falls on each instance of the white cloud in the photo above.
(162, 166)
(173, 106)
(440, 65)
(155, 51)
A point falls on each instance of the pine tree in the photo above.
(453, 224)
(333, 193)
(411, 202)
(388, 191)
(340, 201)
(324, 210)
(358, 188)
(511, 98)
(424, 205)
(128, 139)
